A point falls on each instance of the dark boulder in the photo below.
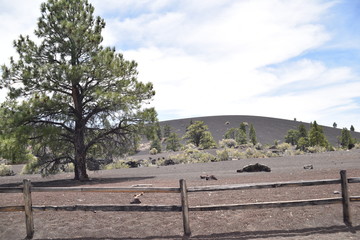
(257, 167)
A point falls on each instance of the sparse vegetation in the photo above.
(192, 156)
(6, 170)
(33, 167)
(222, 155)
(116, 165)
(228, 143)
(153, 151)
(283, 146)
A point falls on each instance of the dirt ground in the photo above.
(310, 222)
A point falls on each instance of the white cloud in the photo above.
(222, 57)
(203, 64)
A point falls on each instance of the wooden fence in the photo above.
(28, 208)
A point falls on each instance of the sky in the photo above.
(276, 58)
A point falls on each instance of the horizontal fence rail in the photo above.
(28, 208)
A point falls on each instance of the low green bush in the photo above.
(222, 155)
(6, 170)
(116, 165)
(190, 156)
(227, 143)
(253, 153)
(316, 149)
(153, 151)
(32, 167)
(283, 146)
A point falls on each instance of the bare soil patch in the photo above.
(315, 222)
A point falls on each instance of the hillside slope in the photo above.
(267, 129)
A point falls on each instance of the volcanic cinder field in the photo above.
(308, 222)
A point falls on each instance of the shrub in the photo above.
(259, 146)
(253, 153)
(188, 146)
(116, 165)
(6, 170)
(191, 156)
(32, 167)
(227, 143)
(283, 146)
(153, 151)
(222, 155)
(316, 149)
(271, 154)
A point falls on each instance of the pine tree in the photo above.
(302, 131)
(243, 126)
(197, 133)
(77, 97)
(352, 128)
(292, 136)
(173, 142)
(167, 130)
(346, 140)
(252, 135)
(156, 143)
(316, 136)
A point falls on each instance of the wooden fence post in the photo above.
(345, 198)
(185, 208)
(29, 220)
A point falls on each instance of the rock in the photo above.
(208, 177)
(309, 167)
(133, 164)
(257, 167)
(168, 162)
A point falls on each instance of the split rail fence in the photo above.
(28, 208)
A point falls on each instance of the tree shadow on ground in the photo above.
(75, 183)
(247, 235)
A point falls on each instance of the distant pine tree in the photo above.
(252, 134)
(316, 136)
(352, 128)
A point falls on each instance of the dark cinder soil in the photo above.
(314, 222)
(267, 129)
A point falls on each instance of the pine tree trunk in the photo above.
(80, 152)
(79, 137)
(82, 174)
